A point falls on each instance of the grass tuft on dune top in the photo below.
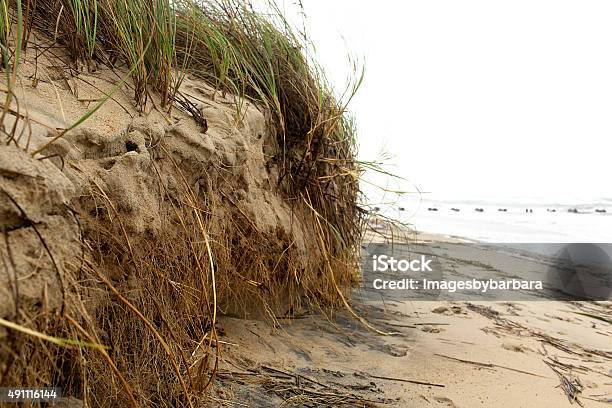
(225, 42)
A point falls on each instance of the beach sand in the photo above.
(442, 354)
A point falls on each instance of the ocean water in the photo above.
(514, 225)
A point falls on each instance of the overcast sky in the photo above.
(478, 98)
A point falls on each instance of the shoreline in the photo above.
(517, 226)
(401, 234)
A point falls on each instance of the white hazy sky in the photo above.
(478, 98)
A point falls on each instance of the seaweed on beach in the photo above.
(571, 385)
(299, 389)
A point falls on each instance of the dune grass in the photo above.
(225, 42)
(55, 340)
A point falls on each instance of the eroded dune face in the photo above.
(41, 236)
(140, 226)
(125, 183)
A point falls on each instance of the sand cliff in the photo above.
(138, 228)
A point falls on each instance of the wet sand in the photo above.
(442, 353)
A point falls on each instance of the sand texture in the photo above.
(443, 354)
